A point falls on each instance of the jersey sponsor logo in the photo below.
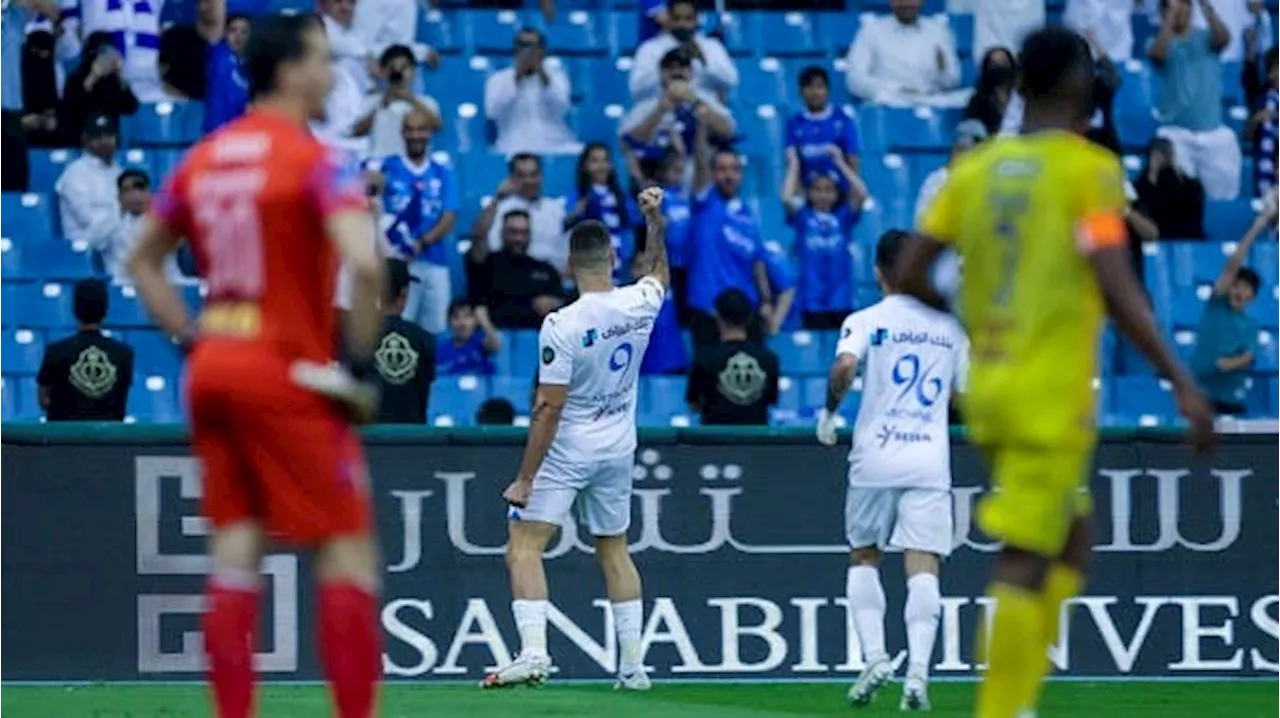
(589, 338)
(878, 336)
(93, 374)
(742, 380)
(548, 355)
(231, 319)
(889, 433)
(396, 359)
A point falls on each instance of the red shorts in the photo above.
(275, 453)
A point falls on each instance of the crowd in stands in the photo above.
(786, 142)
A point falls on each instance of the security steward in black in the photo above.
(87, 376)
(406, 356)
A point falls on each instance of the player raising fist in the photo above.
(582, 442)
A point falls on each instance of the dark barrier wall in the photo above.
(739, 538)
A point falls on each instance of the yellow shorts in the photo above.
(1037, 493)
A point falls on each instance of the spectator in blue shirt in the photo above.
(727, 250)
(669, 173)
(824, 220)
(816, 132)
(667, 353)
(1226, 341)
(421, 198)
(227, 90)
(781, 276)
(597, 194)
(471, 343)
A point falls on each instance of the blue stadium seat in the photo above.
(8, 399)
(47, 167)
(1266, 359)
(124, 309)
(800, 352)
(790, 392)
(741, 33)
(51, 305)
(1142, 396)
(516, 389)
(662, 397)
(1232, 89)
(21, 351)
(154, 400)
(54, 260)
(457, 398)
(559, 173)
(524, 352)
(154, 355)
(163, 124)
(163, 161)
(1186, 311)
(622, 30)
(16, 299)
(1261, 399)
(21, 399)
(609, 80)
(1227, 221)
(26, 217)
(1133, 106)
(962, 28)
(1265, 260)
(888, 179)
(761, 129)
(1184, 344)
(1192, 263)
(1265, 310)
(813, 393)
(439, 30)
(835, 30)
(788, 33)
(575, 33)
(594, 123)
(489, 30)
(763, 82)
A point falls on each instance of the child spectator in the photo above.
(815, 130)
(471, 343)
(824, 234)
(598, 195)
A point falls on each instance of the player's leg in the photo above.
(1064, 580)
(869, 519)
(605, 507)
(529, 531)
(232, 591)
(924, 532)
(1033, 514)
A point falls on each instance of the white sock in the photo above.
(628, 620)
(866, 598)
(924, 606)
(531, 621)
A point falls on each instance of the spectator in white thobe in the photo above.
(1004, 23)
(529, 102)
(903, 58)
(522, 190)
(713, 70)
(352, 52)
(1108, 21)
(113, 236)
(87, 192)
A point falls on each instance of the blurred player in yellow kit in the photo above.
(1039, 222)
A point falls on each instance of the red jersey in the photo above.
(253, 199)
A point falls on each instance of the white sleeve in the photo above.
(853, 336)
(949, 78)
(719, 67)
(650, 294)
(555, 358)
(499, 94)
(645, 80)
(859, 78)
(960, 382)
(556, 93)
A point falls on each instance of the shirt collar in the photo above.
(824, 113)
(414, 167)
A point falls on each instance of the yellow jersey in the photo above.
(1024, 213)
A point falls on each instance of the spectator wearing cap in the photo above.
(903, 58)
(522, 191)
(529, 101)
(113, 237)
(405, 357)
(1226, 341)
(421, 201)
(713, 70)
(87, 376)
(384, 112)
(470, 344)
(671, 120)
(514, 289)
(969, 134)
(97, 86)
(816, 134)
(735, 381)
(88, 195)
(226, 85)
(1187, 64)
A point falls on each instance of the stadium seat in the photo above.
(1232, 89)
(54, 260)
(1265, 310)
(622, 30)
(962, 29)
(1265, 260)
(799, 352)
(888, 179)
(813, 393)
(124, 309)
(835, 31)
(1266, 359)
(1133, 105)
(154, 354)
(1186, 311)
(1192, 263)
(524, 352)
(786, 33)
(16, 299)
(154, 400)
(1227, 221)
(763, 82)
(490, 31)
(455, 399)
(1145, 397)
(575, 33)
(559, 173)
(790, 394)
(21, 398)
(21, 351)
(439, 30)
(662, 397)
(163, 124)
(51, 306)
(47, 167)
(761, 130)
(26, 217)
(516, 389)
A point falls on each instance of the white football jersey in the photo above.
(912, 357)
(595, 346)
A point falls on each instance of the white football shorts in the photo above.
(601, 491)
(905, 518)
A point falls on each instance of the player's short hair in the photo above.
(496, 412)
(1250, 277)
(273, 41)
(888, 249)
(814, 73)
(672, 4)
(519, 157)
(589, 245)
(733, 307)
(722, 152)
(394, 52)
(131, 176)
(527, 30)
(90, 303)
(1052, 58)
(675, 59)
(458, 304)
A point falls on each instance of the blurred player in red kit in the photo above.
(271, 214)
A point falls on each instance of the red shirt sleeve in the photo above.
(169, 206)
(336, 185)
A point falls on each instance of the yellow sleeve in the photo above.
(1101, 204)
(939, 218)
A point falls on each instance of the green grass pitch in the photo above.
(666, 700)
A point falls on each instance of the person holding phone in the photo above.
(386, 108)
(98, 85)
(529, 101)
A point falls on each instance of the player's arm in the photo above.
(1219, 33)
(653, 261)
(554, 373)
(1229, 272)
(915, 261)
(839, 379)
(851, 345)
(156, 239)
